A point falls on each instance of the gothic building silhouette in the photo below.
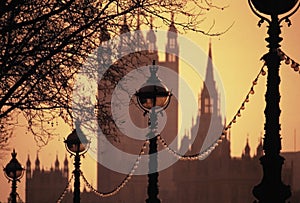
(218, 178)
(45, 185)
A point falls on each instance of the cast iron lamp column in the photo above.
(153, 97)
(14, 172)
(77, 144)
(271, 189)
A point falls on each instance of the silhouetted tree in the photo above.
(43, 43)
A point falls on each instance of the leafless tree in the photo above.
(44, 43)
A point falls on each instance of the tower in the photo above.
(172, 48)
(28, 168)
(209, 108)
(259, 149)
(246, 152)
(125, 38)
(138, 38)
(66, 167)
(44, 185)
(151, 42)
(209, 99)
(108, 179)
(37, 163)
(104, 52)
(56, 164)
(171, 61)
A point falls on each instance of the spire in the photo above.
(66, 162)
(138, 38)
(151, 37)
(125, 27)
(28, 163)
(172, 27)
(66, 167)
(259, 149)
(246, 153)
(172, 47)
(209, 51)
(37, 163)
(28, 168)
(56, 164)
(209, 77)
(151, 41)
(125, 39)
(247, 148)
(209, 95)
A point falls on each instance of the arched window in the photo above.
(208, 105)
(172, 43)
(171, 57)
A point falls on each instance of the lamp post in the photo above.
(271, 189)
(13, 172)
(77, 144)
(152, 98)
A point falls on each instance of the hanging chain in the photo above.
(123, 183)
(289, 61)
(63, 194)
(198, 156)
(205, 153)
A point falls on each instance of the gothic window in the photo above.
(172, 43)
(208, 105)
(171, 57)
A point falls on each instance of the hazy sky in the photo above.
(236, 55)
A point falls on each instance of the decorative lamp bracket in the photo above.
(263, 18)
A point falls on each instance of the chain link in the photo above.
(123, 183)
(63, 194)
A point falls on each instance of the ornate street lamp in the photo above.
(77, 144)
(153, 97)
(271, 189)
(13, 172)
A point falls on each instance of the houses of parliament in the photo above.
(218, 178)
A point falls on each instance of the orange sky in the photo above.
(236, 55)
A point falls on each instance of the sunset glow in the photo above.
(236, 55)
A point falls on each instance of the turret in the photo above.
(125, 38)
(209, 94)
(37, 163)
(66, 167)
(138, 38)
(172, 48)
(246, 152)
(28, 168)
(56, 164)
(151, 42)
(209, 114)
(260, 149)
